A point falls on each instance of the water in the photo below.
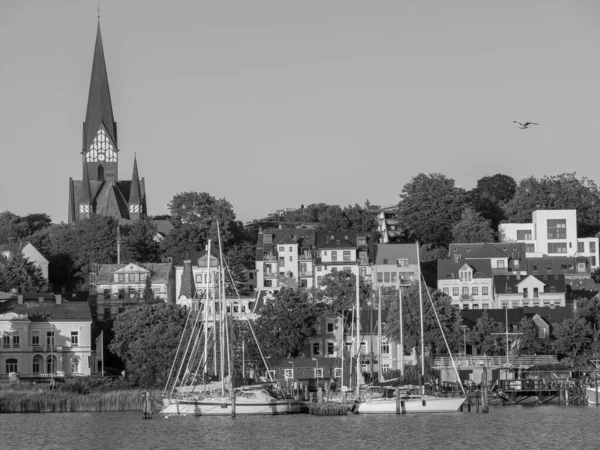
(543, 427)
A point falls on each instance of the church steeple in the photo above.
(135, 196)
(100, 145)
(85, 200)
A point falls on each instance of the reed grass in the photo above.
(44, 401)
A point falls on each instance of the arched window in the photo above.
(51, 364)
(12, 365)
(38, 362)
(75, 365)
(100, 173)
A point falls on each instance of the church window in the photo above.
(101, 149)
(100, 173)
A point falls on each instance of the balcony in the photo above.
(305, 274)
(271, 275)
(363, 261)
(465, 297)
(304, 258)
(269, 258)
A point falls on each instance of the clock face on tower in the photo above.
(101, 149)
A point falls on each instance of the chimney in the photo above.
(20, 299)
(58, 299)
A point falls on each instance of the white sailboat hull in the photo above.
(217, 407)
(425, 404)
(591, 395)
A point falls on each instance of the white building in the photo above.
(552, 233)
(43, 334)
(28, 251)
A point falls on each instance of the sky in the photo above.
(275, 104)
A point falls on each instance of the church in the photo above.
(100, 190)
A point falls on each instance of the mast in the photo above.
(342, 349)
(379, 337)
(401, 330)
(358, 368)
(208, 266)
(421, 380)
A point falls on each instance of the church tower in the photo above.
(100, 191)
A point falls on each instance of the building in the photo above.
(516, 291)
(552, 233)
(28, 251)
(285, 256)
(468, 282)
(44, 334)
(504, 257)
(394, 265)
(101, 191)
(343, 251)
(121, 286)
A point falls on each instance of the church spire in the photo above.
(135, 196)
(99, 107)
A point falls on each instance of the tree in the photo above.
(182, 241)
(573, 337)
(11, 227)
(448, 314)
(563, 191)
(239, 259)
(202, 211)
(529, 342)
(17, 272)
(429, 207)
(286, 323)
(472, 228)
(481, 336)
(148, 294)
(138, 242)
(146, 339)
(491, 194)
(338, 290)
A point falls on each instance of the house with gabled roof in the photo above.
(515, 291)
(343, 250)
(468, 282)
(28, 251)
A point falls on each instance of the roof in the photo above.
(48, 310)
(135, 196)
(514, 315)
(513, 250)
(503, 282)
(110, 197)
(335, 240)
(14, 247)
(99, 106)
(304, 237)
(159, 271)
(482, 268)
(392, 252)
(550, 315)
(554, 264)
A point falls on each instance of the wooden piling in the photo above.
(397, 401)
(484, 386)
(320, 395)
(147, 406)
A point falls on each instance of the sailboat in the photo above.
(407, 402)
(228, 400)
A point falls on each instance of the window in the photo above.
(50, 338)
(347, 255)
(475, 306)
(106, 313)
(316, 349)
(557, 229)
(12, 365)
(385, 348)
(74, 338)
(362, 241)
(142, 276)
(319, 280)
(319, 268)
(529, 248)
(516, 263)
(455, 291)
(6, 341)
(16, 340)
(337, 372)
(380, 277)
(557, 247)
(552, 289)
(37, 363)
(282, 249)
(334, 255)
(592, 247)
(35, 339)
(593, 261)
(282, 261)
(330, 348)
(198, 278)
(385, 261)
(107, 294)
(386, 277)
(402, 262)
(290, 249)
(330, 327)
(121, 277)
(525, 293)
(446, 291)
(486, 306)
(542, 333)
(291, 258)
(318, 373)
(500, 264)
(288, 374)
(51, 364)
(536, 293)
(581, 247)
(347, 269)
(475, 291)
(484, 291)
(75, 365)
(100, 173)
(523, 235)
(393, 277)
(465, 291)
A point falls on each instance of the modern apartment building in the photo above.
(552, 233)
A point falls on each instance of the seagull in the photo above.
(525, 125)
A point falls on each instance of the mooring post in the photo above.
(596, 385)
(477, 401)
(484, 385)
(320, 395)
(147, 406)
(397, 401)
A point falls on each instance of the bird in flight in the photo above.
(525, 125)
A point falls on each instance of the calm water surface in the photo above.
(514, 427)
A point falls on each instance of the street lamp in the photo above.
(464, 327)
